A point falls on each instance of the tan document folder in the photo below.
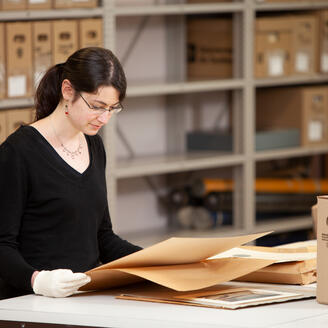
(178, 263)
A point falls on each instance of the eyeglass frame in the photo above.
(102, 109)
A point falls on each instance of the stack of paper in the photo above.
(292, 265)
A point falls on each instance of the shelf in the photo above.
(290, 152)
(291, 80)
(156, 89)
(16, 103)
(284, 224)
(174, 163)
(147, 238)
(50, 14)
(289, 6)
(178, 9)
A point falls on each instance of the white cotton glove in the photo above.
(59, 283)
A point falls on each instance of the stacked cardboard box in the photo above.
(12, 119)
(75, 3)
(304, 108)
(65, 40)
(90, 32)
(19, 59)
(209, 44)
(42, 50)
(2, 62)
(286, 45)
(323, 41)
(29, 48)
(13, 4)
(39, 4)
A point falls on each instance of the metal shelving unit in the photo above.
(306, 5)
(244, 158)
(175, 163)
(49, 14)
(178, 9)
(183, 87)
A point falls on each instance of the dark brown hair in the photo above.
(87, 69)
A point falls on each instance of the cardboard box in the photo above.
(3, 128)
(207, 1)
(84, 3)
(322, 254)
(14, 4)
(65, 40)
(305, 44)
(38, 4)
(305, 108)
(2, 62)
(264, 140)
(19, 59)
(17, 117)
(209, 57)
(42, 51)
(59, 4)
(273, 41)
(323, 41)
(90, 32)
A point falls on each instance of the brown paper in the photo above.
(154, 293)
(178, 263)
(297, 273)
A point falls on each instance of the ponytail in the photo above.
(48, 93)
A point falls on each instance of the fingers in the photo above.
(74, 283)
(59, 282)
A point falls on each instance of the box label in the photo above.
(38, 77)
(276, 63)
(324, 62)
(302, 62)
(37, 1)
(315, 132)
(17, 86)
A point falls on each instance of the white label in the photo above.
(324, 62)
(315, 132)
(17, 86)
(302, 63)
(37, 1)
(2, 73)
(37, 77)
(276, 64)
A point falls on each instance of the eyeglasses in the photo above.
(100, 110)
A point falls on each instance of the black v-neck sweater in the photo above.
(52, 216)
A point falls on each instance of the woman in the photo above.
(54, 221)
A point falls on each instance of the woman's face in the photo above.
(88, 120)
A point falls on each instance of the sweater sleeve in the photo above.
(14, 270)
(111, 246)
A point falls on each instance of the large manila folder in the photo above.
(181, 264)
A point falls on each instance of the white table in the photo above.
(103, 310)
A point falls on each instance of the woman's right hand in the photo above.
(59, 282)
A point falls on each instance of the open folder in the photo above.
(181, 264)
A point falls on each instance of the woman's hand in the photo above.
(58, 283)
